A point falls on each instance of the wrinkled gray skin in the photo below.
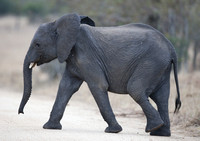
(132, 59)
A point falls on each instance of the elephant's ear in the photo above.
(87, 20)
(67, 29)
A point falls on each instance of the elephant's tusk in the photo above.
(32, 65)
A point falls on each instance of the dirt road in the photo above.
(81, 122)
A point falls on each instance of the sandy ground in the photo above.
(80, 122)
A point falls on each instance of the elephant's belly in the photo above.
(118, 85)
(118, 91)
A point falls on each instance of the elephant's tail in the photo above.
(178, 101)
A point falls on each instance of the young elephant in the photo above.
(132, 59)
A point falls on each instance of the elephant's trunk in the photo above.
(27, 74)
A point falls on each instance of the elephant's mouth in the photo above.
(33, 64)
(39, 63)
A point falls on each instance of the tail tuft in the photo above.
(20, 111)
(177, 105)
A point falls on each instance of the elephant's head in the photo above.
(51, 40)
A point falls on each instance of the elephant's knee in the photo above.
(137, 97)
(136, 94)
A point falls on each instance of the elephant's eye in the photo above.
(37, 45)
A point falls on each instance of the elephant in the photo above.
(133, 59)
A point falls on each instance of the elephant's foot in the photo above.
(154, 124)
(162, 131)
(113, 129)
(52, 125)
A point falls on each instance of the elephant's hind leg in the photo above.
(161, 99)
(137, 92)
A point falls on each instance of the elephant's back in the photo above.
(128, 31)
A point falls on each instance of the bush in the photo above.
(181, 45)
(34, 8)
(5, 7)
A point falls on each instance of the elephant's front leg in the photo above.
(101, 98)
(68, 86)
